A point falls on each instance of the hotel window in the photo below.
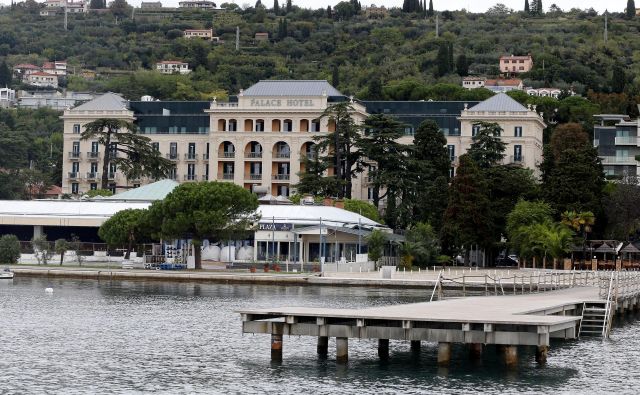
(191, 171)
(474, 130)
(191, 151)
(517, 131)
(93, 186)
(517, 153)
(155, 146)
(452, 172)
(259, 125)
(232, 126)
(95, 146)
(315, 125)
(75, 168)
(74, 188)
(452, 152)
(408, 131)
(112, 187)
(173, 150)
(76, 128)
(173, 129)
(75, 152)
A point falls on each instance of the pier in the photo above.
(532, 317)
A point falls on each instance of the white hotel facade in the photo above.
(262, 139)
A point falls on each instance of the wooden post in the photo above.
(342, 349)
(511, 356)
(444, 354)
(541, 354)
(383, 349)
(276, 341)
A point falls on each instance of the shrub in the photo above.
(9, 249)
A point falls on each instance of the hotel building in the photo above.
(261, 137)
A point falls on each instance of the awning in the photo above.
(630, 249)
(392, 237)
(605, 249)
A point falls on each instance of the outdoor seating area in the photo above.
(606, 255)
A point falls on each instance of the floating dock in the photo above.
(508, 321)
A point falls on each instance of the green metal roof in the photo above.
(151, 192)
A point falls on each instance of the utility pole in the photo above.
(237, 38)
(606, 26)
(65, 17)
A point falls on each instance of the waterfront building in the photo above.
(173, 67)
(260, 138)
(199, 4)
(616, 138)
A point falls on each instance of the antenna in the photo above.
(237, 38)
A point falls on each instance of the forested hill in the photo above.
(392, 57)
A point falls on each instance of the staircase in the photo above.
(595, 319)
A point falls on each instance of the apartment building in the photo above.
(41, 79)
(207, 34)
(198, 4)
(173, 67)
(261, 137)
(616, 138)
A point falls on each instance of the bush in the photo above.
(9, 249)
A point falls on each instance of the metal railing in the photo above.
(93, 155)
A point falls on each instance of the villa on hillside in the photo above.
(511, 65)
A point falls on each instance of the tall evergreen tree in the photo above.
(430, 11)
(276, 7)
(466, 220)
(631, 9)
(619, 79)
(462, 65)
(526, 6)
(443, 59)
(5, 75)
(329, 12)
(380, 145)
(335, 76)
(487, 148)
(289, 6)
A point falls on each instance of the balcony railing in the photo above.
(173, 156)
(282, 155)
(619, 160)
(191, 156)
(74, 175)
(516, 159)
(308, 155)
(190, 177)
(453, 159)
(227, 155)
(253, 155)
(93, 176)
(628, 140)
(225, 176)
(74, 155)
(93, 155)
(255, 176)
(111, 176)
(281, 177)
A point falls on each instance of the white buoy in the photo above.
(48, 290)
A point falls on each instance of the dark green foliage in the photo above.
(623, 210)
(630, 11)
(526, 6)
(197, 211)
(125, 228)
(9, 249)
(487, 148)
(375, 245)
(467, 217)
(619, 79)
(421, 246)
(363, 208)
(289, 6)
(135, 154)
(276, 7)
(462, 65)
(119, 8)
(430, 11)
(5, 75)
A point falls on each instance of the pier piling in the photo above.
(323, 346)
(276, 348)
(342, 349)
(415, 345)
(444, 354)
(541, 354)
(511, 356)
(475, 351)
(383, 349)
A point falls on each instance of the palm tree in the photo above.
(582, 222)
(558, 240)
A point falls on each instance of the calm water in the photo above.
(133, 337)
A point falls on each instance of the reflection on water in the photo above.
(127, 337)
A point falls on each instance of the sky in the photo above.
(472, 5)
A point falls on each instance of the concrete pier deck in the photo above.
(530, 319)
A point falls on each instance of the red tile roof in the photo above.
(511, 82)
(41, 74)
(26, 66)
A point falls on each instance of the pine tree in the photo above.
(329, 12)
(289, 6)
(276, 7)
(462, 65)
(526, 6)
(631, 9)
(430, 11)
(443, 60)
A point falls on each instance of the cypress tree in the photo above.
(5, 75)
(526, 6)
(276, 7)
(631, 8)
(430, 12)
(335, 76)
(329, 13)
(289, 6)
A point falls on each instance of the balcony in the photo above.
(191, 157)
(308, 155)
(253, 155)
(111, 175)
(93, 156)
(629, 140)
(172, 156)
(225, 176)
(281, 177)
(93, 176)
(282, 155)
(190, 177)
(255, 177)
(74, 175)
(74, 155)
(227, 155)
(619, 160)
(113, 154)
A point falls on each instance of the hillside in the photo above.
(399, 53)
